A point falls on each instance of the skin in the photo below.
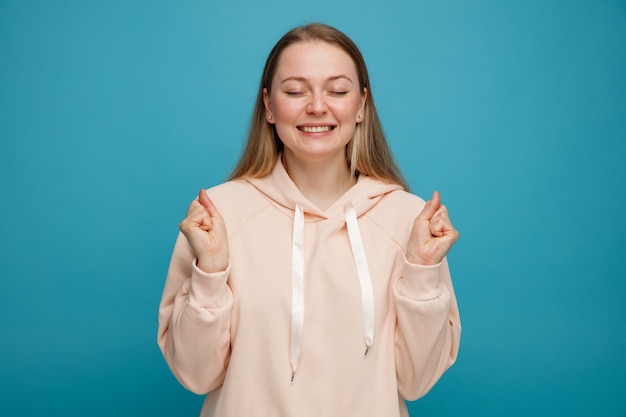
(315, 104)
(316, 87)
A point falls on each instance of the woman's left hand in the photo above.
(433, 234)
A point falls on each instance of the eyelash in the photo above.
(299, 93)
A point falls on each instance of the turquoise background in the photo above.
(114, 113)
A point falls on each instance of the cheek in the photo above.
(347, 113)
(352, 108)
(285, 131)
(285, 109)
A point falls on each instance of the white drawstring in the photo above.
(297, 290)
(367, 294)
(297, 285)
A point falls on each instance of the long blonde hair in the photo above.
(367, 153)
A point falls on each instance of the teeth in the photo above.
(316, 129)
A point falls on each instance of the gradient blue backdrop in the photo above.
(113, 114)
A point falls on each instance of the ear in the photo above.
(360, 115)
(268, 109)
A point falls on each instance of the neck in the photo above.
(321, 182)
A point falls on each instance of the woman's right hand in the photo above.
(204, 228)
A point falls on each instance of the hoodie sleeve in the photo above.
(194, 321)
(428, 327)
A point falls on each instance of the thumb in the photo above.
(431, 207)
(204, 199)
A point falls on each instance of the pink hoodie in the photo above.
(318, 313)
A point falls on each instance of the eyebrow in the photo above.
(303, 79)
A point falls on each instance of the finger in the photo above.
(439, 226)
(204, 199)
(197, 216)
(437, 223)
(441, 213)
(442, 227)
(436, 228)
(431, 207)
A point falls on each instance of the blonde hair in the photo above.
(367, 153)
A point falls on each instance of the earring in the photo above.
(269, 118)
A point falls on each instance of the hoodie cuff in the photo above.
(208, 290)
(420, 282)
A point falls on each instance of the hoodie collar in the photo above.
(283, 192)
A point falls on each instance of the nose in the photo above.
(316, 104)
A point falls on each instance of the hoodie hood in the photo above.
(279, 188)
(361, 197)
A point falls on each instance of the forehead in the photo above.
(314, 60)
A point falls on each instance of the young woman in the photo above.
(311, 283)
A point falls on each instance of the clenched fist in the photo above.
(433, 234)
(204, 228)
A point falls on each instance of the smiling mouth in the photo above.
(315, 129)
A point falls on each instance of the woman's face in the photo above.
(315, 102)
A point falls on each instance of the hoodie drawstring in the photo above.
(297, 289)
(367, 293)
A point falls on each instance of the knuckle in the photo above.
(184, 224)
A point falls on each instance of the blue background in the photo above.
(113, 114)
